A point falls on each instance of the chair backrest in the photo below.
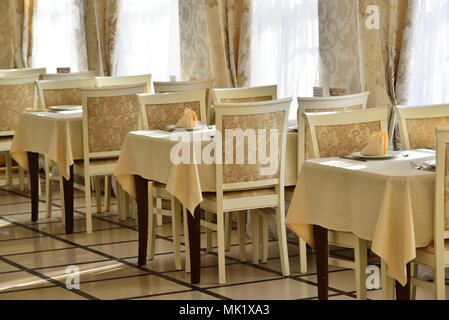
(238, 95)
(69, 76)
(108, 115)
(125, 81)
(16, 94)
(417, 124)
(441, 220)
(62, 92)
(22, 72)
(246, 133)
(193, 85)
(160, 110)
(342, 133)
(323, 104)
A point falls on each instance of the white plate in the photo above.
(198, 127)
(431, 163)
(389, 155)
(65, 108)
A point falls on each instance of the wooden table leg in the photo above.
(403, 293)
(195, 245)
(68, 202)
(33, 164)
(142, 217)
(322, 265)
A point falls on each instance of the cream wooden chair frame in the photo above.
(420, 112)
(12, 78)
(61, 84)
(126, 80)
(344, 239)
(225, 95)
(69, 76)
(222, 205)
(22, 72)
(193, 85)
(156, 190)
(86, 169)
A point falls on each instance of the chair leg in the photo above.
(241, 226)
(87, 192)
(361, 257)
(22, 179)
(133, 208)
(8, 163)
(255, 236)
(97, 193)
(282, 239)
(414, 274)
(208, 218)
(107, 193)
(387, 282)
(186, 239)
(302, 256)
(121, 203)
(221, 247)
(439, 281)
(228, 230)
(151, 223)
(159, 206)
(61, 196)
(48, 189)
(264, 232)
(176, 224)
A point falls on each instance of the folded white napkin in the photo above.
(377, 144)
(188, 120)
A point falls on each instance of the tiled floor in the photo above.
(34, 258)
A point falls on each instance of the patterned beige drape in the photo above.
(16, 37)
(101, 23)
(226, 44)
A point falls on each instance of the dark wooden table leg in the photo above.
(322, 265)
(33, 164)
(195, 245)
(68, 202)
(403, 293)
(142, 217)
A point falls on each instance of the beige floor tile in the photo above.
(341, 280)
(103, 236)
(130, 249)
(20, 280)
(55, 293)
(15, 232)
(31, 245)
(4, 267)
(55, 258)
(13, 208)
(285, 289)
(192, 295)
(130, 287)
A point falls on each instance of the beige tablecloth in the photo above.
(57, 135)
(386, 202)
(147, 154)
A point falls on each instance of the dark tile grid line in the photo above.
(297, 278)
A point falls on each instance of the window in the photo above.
(429, 81)
(285, 47)
(149, 38)
(59, 37)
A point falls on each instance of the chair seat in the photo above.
(96, 166)
(5, 143)
(96, 162)
(431, 248)
(212, 196)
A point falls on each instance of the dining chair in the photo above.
(248, 185)
(338, 134)
(108, 115)
(193, 85)
(17, 93)
(69, 76)
(159, 111)
(22, 72)
(251, 94)
(417, 124)
(126, 80)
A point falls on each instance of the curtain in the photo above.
(285, 51)
(429, 83)
(101, 23)
(149, 38)
(16, 29)
(59, 35)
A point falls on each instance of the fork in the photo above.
(420, 167)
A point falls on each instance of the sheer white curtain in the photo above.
(59, 35)
(149, 38)
(285, 47)
(430, 66)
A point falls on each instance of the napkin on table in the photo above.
(377, 144)
(188, 120)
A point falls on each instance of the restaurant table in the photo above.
(58, 135)
(386, 202)
(146, 156)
